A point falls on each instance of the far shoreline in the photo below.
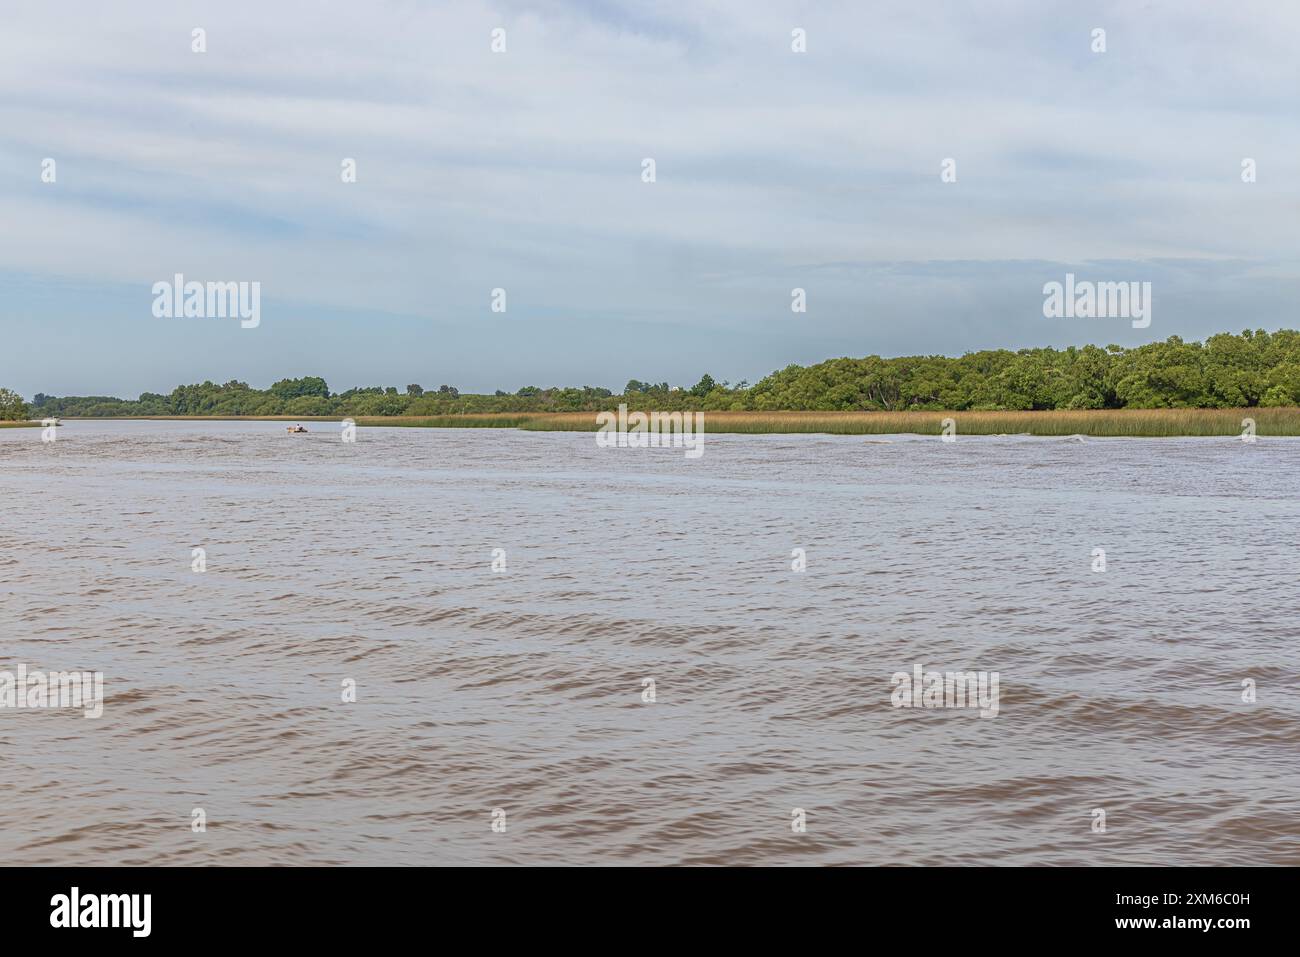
(1099, 423)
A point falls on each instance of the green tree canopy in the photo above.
(12, 406)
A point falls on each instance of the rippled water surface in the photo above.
(522, 690)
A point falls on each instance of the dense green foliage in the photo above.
(1226, 371)
(12, 406)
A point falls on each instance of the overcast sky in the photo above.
(522, 170)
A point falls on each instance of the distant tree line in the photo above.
(1226, 371)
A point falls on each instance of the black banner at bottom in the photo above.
(336, 906)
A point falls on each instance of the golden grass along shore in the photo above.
(1094, 422)
(1101, 422)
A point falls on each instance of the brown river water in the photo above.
(516, 696)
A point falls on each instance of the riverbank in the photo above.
(1152, 423)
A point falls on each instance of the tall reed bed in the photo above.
(469, 420)
(1102, 422)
